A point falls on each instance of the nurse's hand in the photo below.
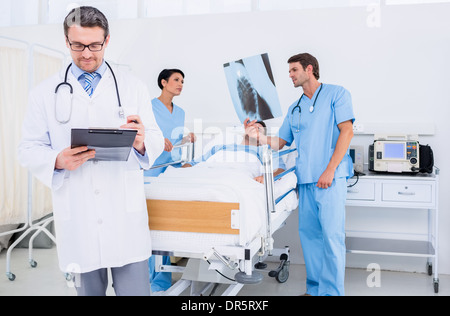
(168, 146)
(71, 159)
(190, 138)
(326, 179)
(134, 122)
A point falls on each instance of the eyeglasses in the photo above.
(78, 47)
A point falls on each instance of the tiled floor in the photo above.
(46, 279)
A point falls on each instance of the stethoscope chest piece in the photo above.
(311, 109)
(121, 113)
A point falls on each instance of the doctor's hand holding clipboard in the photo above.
(72, 158)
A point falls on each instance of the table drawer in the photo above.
(362, 191)
(407, 193)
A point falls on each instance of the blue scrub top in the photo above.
(172, 127)
(316, 134)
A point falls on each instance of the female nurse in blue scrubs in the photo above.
(320, 124)
(170, 119)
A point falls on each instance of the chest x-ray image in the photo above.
(252, 88)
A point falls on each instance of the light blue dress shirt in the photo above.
(79, 74)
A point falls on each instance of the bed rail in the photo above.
(189, 155)
(269, 180)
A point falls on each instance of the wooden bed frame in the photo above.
(192, 216)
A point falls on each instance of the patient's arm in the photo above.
(278, 171)
(260, 179)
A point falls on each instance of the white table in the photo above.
(420, 191)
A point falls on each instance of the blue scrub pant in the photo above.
(322, 236)
(161, 281)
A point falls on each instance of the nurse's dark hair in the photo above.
(86, 17)
(166, 74)
(305, 60)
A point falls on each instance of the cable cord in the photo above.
(357, 174)
(230, 279)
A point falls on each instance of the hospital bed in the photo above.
(223, 221)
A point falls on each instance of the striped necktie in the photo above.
(88, 79)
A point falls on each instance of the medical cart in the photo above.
(412, 192)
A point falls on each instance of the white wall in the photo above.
(398, 73)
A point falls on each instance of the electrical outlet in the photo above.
(358, 128)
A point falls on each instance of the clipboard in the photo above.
(110, 144)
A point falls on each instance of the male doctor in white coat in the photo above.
(99, 206)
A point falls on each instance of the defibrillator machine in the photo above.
(396, 154)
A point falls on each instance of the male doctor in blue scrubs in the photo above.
(321, 125)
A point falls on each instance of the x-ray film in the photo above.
(252, 88)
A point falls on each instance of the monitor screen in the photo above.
(394, 150)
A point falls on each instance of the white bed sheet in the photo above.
(219, 183)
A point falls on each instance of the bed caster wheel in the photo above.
(281, 274)
(11, 276)
(243, 278)
(33, 263)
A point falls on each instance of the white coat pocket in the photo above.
(135, 192)
(62, 202)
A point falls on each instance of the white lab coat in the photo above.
(99, 209)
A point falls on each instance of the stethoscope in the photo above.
(65, 83)
(311, 109)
